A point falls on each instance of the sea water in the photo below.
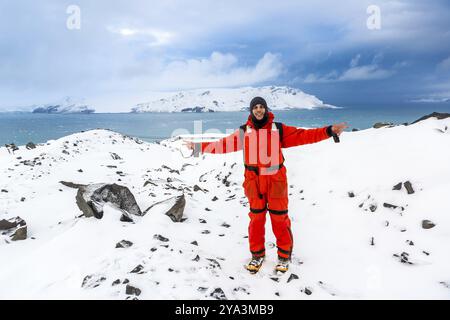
(21, 128)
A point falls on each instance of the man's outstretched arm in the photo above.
(293, 136)
(227, 144)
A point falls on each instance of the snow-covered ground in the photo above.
(226, 99)
(348, 245)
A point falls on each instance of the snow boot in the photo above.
(282, 265)
(255, 264)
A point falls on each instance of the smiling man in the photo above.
(265, 184)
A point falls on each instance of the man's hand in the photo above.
(339, 127)
(188, 144)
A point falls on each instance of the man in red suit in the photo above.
(265, 184)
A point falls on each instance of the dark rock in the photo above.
(214, 199)
(160, 238)
(351, 194)
(427, 224)
(197, 188)
(124, 244)
(196, 259)
(30, 145)
(355, 129)
(176, 212)
(132, 290)
(308, 291)
(92, 281)
(16, 228)
(373, 207)
(218, 294)
(381, 124)
(437, 115)
(213, 263)
(194, 243)
(225, 225)
(391, 206)
(207, 209)
(115, 156)
(202, 289)
(293, 276)
(91, 199)
(137, 269)
(4, 191)
(80, 170)
(116, 282)
(408, 187)
(398, 186)
(275, 279)
(206, 232)
(403, 257)
(22, 199)
(202, 220)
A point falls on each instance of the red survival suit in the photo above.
(265, 183)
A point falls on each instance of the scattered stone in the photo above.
(176, 212)
(403, 257)
(30, 145)
(125, 281)
(132, 290)
(381, 124)
(124, 244)
(206, 232)
(275, 279)
(22, 199)
(214, 199)
(4, 191)
(293, 276)
(351, 194)
(408, 187)
(92, 281)
(91, 199)
(16, 228)
(308, 291)
(115, 156)
(398, 186)
(202, 289)
(437, 115)
(427, 224)
(160, 238)
(137, 269)
(409, 242)
(197, 188)
(225, 225)
(202, 220)
(116, 282)
(373, 207)
(426, 253)
(218, 294)
(207, 209)
(214, 263)
(80, 170)
(392, 206)
(194, 243)
(372, 241)
(196, 259)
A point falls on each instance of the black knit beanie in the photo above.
(258, 100)
(259, 123)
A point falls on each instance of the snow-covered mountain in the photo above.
(370, 220)
(210, 100)
(67, 105)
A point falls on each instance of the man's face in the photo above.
(258, 111)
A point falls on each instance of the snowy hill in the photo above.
(68, 105)
(210, 100)
(355, 235)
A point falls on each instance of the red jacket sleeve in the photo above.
(227, 144)
(293, 136)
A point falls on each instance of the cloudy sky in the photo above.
(118, 52)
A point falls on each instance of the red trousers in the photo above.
(268, 192)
